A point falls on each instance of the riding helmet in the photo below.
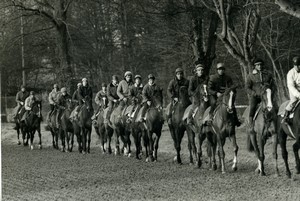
(137, 76)
(220, 65)
(63, 90)
(128, 73)
(296, 61)
(258, 61)
(151, 76)
(178, 70)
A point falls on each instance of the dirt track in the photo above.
(49, 174)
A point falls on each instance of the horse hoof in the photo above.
(234, 168)
(31, 147)
(129, 155)
(223, 172)
(19, 142)
(191, 164)
(262, 174)
(40, 146)
(257, 171)
(147, 160)
(83, 152)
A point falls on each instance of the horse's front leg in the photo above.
(83, 140)
(235, 151)
(117, 142)
(296, 147)
(18, 133)
(191, 143)
(40, 137)
(275, 155)
(89, 132)
(156, 142)
(261, 144)
(31, 133)
(221, 142)
(282, 142)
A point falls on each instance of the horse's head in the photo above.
(69, 104)
(229, 98)
(267, 103)
(184, 95)
(88, 103)
(158, 98)
(37, 108)
(203, 93)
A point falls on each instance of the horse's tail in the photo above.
(250, 146)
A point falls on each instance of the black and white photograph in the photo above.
(150, 100)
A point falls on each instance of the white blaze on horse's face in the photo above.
(230, 101)
(269, 99)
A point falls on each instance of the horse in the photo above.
(85, 125)
(18, 126)
(265, 125)
(221, 127)
(104, 132)
(195, 130)
(293, 130)
(66, 130)
(121, 129)
(177, 126)
(33, 123)
(53, 128)
(154, 123)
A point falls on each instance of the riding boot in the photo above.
(285, 117)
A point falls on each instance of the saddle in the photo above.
(282, 107)
(206, 114)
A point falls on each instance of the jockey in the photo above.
(101, 100)
(217, 84)
(112, 95)
(53, 99)
(124, 86)
(135, 94)
(149, 92)
(84, 91)
(173, 89)
(20, 99)
(199, 80)
(28, 104)
(293, 84)
(62, 103)
(257, 81)
(75, 97)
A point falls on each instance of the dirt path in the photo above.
(48, 174)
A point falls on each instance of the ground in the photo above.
(49, 174)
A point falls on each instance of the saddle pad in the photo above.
(282, 107)
(186, 112)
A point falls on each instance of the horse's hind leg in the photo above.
(296, 147)
(18, 133)
(282, 141)
(235, 150)
(275, 155)
(62, 134)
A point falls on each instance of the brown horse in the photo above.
(83, 126)
(265, 125)
(66, 129)
(195, 130)
(121, 130)
(18, 126)
(292, 130)
(153, 125)
(33, 123)
(52, 127)
(222, 126)
(177, 126)
(104, 132)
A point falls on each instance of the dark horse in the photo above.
(85, 124)
(221, 127)
(177, 126)
(104, 133)
(18, 126)
(121, 129)
(154, 123)
(66, 130)
(195, 130)
(53, 128)
(265, 125)
(292, 130)
(33, 123)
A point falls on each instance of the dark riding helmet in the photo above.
(178, 70)
(103, 85)
(114, 77)
(258, 61)
(151, 76)
(137, 76)
(296, 61)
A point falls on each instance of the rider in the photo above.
(84, 91)
(53, 99)
(257, 81)
(293, 84)
(217, 84)
(196, 82)
(112, 95)
(75, 97)
(62, 103)
(135, 94)
(29, 101)
(20, 99)
(100, 100)
(149, 92)
(124, 86)
(173, 90)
